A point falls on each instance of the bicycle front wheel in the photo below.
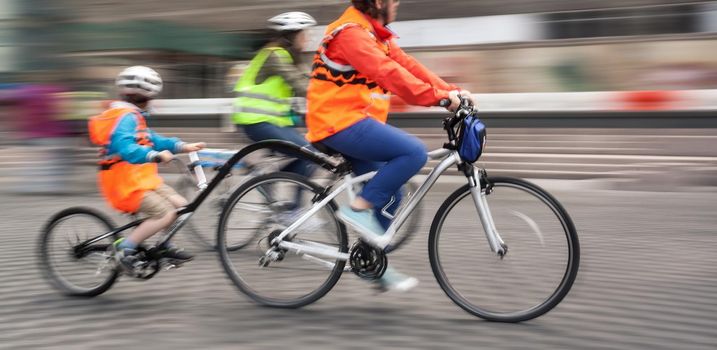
(256, 213)
(538, 269)
(87, 273)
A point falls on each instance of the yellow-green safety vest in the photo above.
(265, 102)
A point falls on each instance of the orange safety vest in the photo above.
(338, 95)
(122, 184)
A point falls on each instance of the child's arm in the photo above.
(161, 143)
(123, 142)
(173, 144)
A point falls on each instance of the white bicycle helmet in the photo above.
(139, 80)
(291, 21)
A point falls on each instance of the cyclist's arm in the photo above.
(162, 143)
(123, 142)
(418, 69)
(355, 47)
(277, 65)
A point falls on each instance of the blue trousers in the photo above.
(397, 155)
(267, 131)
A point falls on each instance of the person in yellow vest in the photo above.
(128, 175)
(357, 67)
(267, 86)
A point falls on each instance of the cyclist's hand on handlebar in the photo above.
(455, 102)
(164, 157)
(193, 147)
(465, 94)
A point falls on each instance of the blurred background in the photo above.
(611, 105)
(535, 63)
(488, 46)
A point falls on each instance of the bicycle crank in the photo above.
(367, 261)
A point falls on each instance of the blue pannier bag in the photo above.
(472, 139)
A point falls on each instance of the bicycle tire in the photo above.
(571, 264)
(241, 282)
(49, 269)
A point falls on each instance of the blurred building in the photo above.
(9, 36)
(230, 15)
(486, 45)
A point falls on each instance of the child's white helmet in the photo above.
(139, 80)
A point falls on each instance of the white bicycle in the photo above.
(501, 248)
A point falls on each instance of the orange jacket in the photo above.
(122, 184)
(356, 67)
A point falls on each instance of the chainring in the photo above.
(367, 261)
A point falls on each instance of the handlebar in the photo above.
(465, 108)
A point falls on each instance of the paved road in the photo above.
(648, 280)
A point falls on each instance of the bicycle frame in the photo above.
(448, 159)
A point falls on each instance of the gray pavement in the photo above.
(648, 280)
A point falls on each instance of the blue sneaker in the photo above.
(363, 221)
(125, 257)
(394, 280)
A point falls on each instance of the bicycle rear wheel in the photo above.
(87, 273)
(256, 213)
(536, 273)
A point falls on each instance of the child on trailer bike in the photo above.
(357, 66)
(128, 175)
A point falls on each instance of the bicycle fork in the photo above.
(478, 193)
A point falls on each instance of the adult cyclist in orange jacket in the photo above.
(356, 68)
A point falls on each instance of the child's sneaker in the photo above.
(125, 257)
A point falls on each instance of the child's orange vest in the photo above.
(122, 184)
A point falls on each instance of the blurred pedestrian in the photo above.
(47, 162)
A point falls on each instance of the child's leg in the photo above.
(172, 196)
(169, 250)
(160, 212)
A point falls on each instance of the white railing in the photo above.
(601, 101)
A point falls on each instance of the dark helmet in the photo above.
(369, 7)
